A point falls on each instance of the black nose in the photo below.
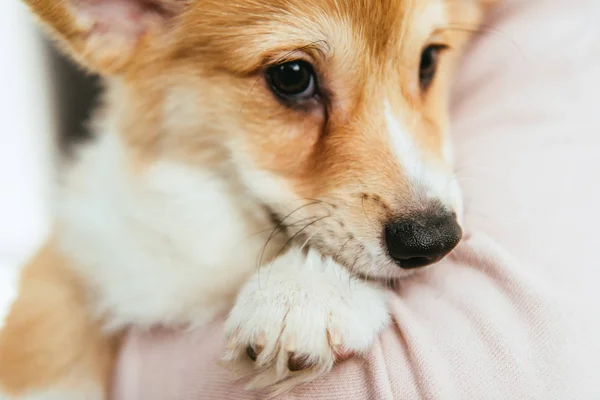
(422, 240)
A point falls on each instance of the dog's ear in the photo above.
(105, 35)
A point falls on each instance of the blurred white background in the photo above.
(28, 126)
(44, 102)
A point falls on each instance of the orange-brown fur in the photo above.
(215, 52)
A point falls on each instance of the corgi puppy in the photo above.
(280, 160)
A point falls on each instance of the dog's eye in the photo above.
(293, 81)
(429, 64)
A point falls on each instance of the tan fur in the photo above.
(186, 82)
(49, 339)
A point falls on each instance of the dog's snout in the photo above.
(422, 240)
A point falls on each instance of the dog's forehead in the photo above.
(258, 26)
(359, 10)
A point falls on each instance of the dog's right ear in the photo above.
(105, 35)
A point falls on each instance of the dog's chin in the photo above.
(387, 271)
(360, 264)
(379, 268)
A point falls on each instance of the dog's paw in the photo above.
(296, 318)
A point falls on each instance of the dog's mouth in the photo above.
(314, 233)
(405, 245)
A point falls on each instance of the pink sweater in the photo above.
(514, 314)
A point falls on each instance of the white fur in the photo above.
(170, 245)
(307, 305)
(429, 178)
(266, 185)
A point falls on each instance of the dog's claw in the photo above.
(298, 362)
(252, 353)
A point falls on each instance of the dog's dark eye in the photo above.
(429, 64)
(293, 81)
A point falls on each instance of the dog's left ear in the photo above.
(105, 35)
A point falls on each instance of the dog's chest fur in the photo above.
(168, 244)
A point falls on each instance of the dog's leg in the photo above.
(298, 316)
(50, 348)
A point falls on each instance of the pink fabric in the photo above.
(514, 314)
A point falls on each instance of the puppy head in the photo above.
(332, 114)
